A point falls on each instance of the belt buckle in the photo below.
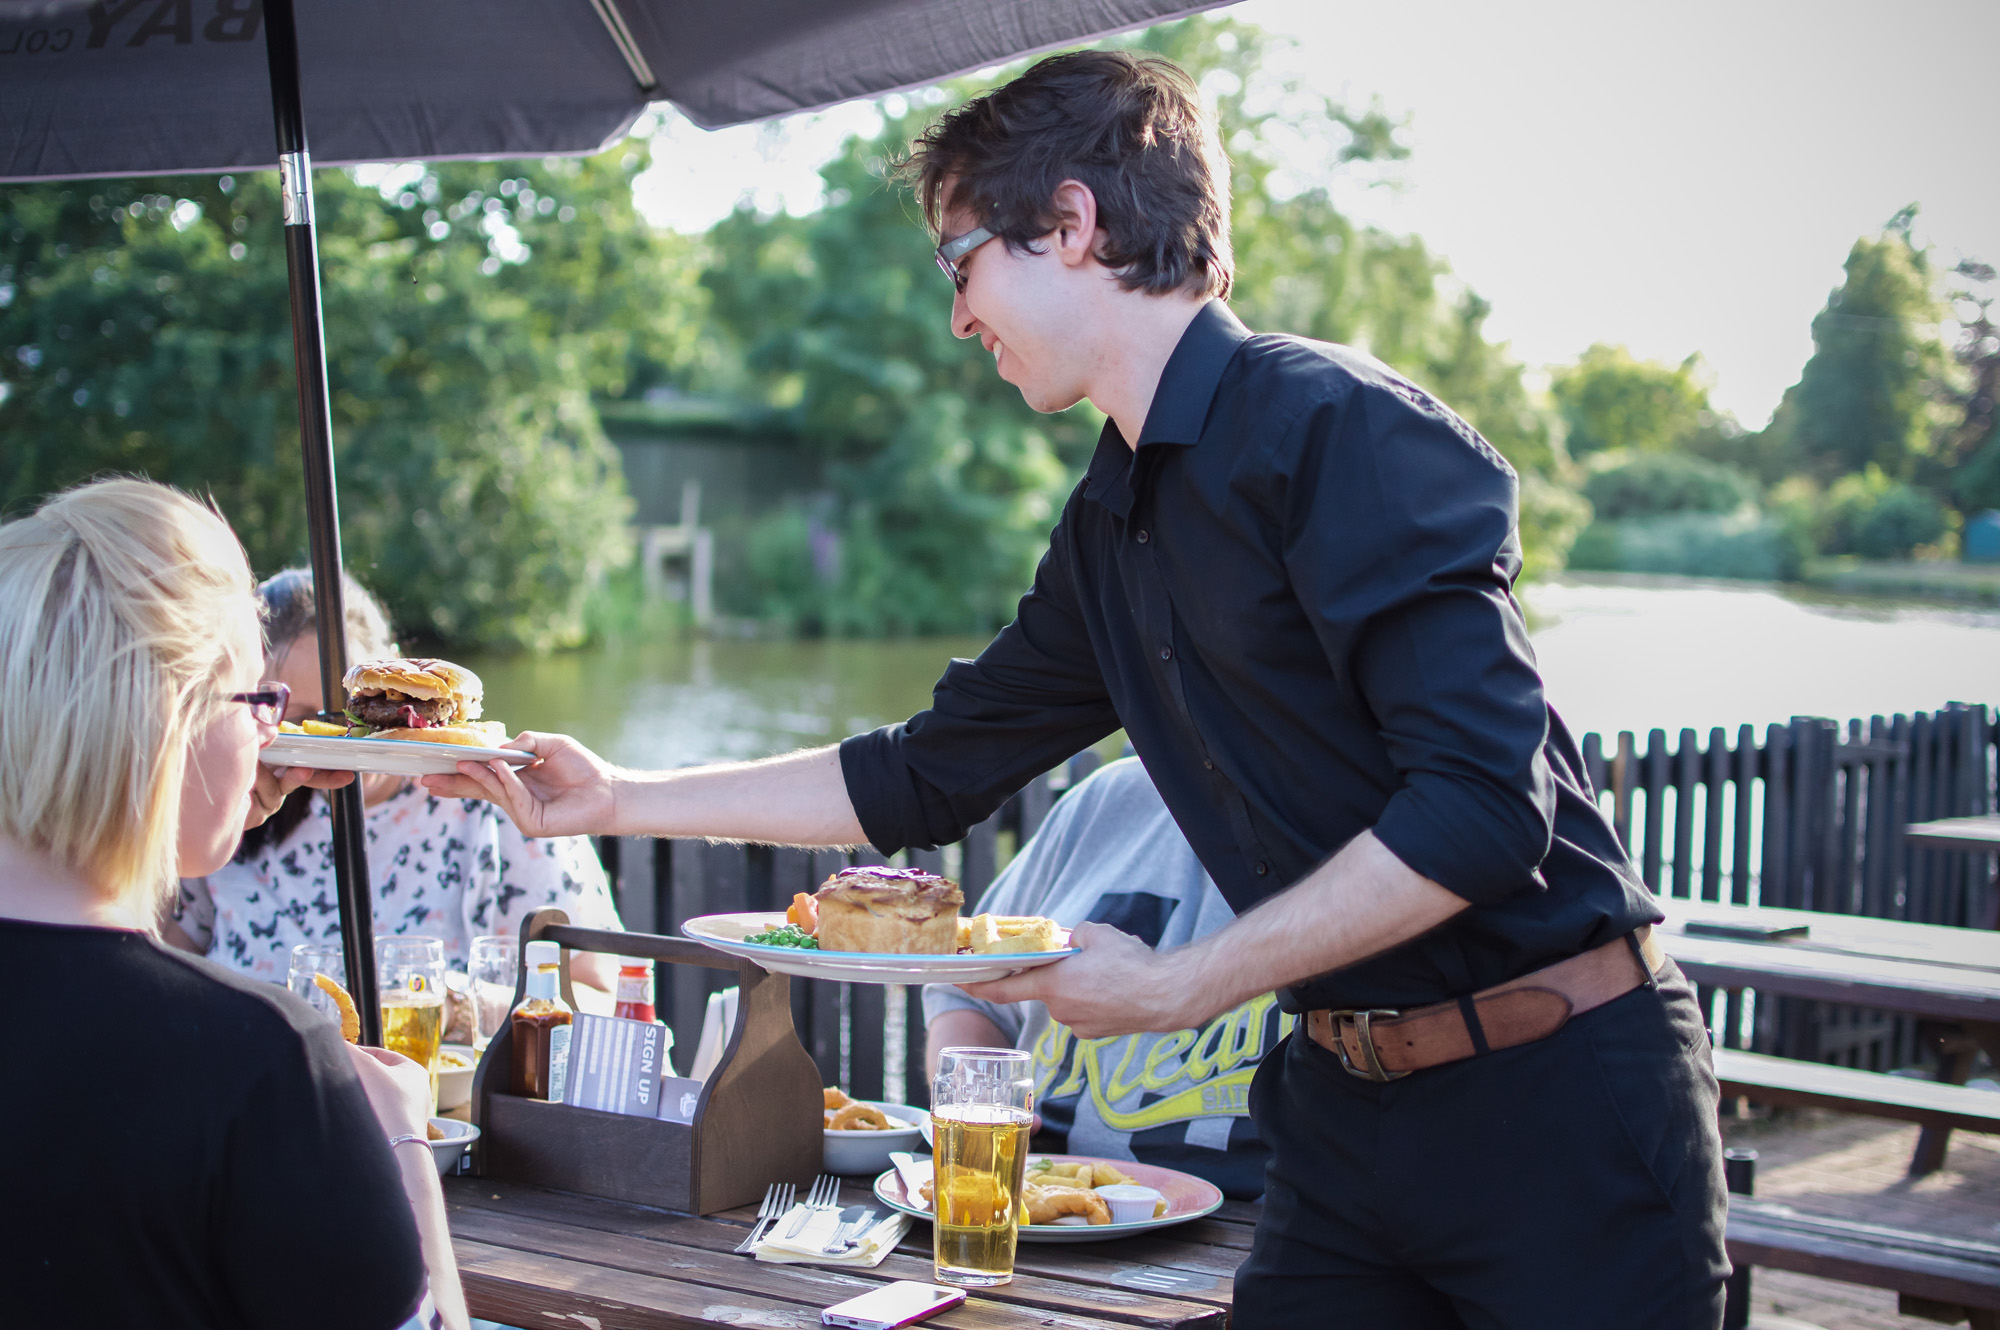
(1361, 1017)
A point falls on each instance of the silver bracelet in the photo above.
(395, 1141)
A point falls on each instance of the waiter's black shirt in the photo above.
(1295, 595)
(183, 1146)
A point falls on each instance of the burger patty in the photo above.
(412, 712)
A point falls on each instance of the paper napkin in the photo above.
(804, 1248)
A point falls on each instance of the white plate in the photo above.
(725, 932)
(400, 757)
(1188, 1198)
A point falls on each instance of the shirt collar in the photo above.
(1180, 404)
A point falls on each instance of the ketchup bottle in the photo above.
(635, 990)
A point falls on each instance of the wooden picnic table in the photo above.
(1948, 975)
(532, 1257)
(1978, 834)
(1929, 970)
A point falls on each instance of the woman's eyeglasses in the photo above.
(956, 248)
(268, 703)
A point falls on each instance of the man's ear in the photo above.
(1077, 233)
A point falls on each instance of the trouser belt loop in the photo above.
(1652, 980)
(1470, 1011)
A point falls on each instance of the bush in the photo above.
(1743, 544)
(1649, 484)
(1877, 518)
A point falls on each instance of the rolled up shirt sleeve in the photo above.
(1032, 699)
(1413, 605)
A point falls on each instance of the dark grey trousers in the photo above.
(1570, 1184)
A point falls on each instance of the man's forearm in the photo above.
(798, 799)
(1358, 904)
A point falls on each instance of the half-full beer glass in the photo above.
(410, 973)
(981, 1104)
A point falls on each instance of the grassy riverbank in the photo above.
(1973, 583)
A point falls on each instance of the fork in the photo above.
(777, 1200)
(825, 1195)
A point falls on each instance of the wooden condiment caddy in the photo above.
(759, 1119)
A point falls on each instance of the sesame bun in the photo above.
(419, 676)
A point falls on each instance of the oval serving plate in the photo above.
(398, 757)
(725, 932)
(1188, 1198)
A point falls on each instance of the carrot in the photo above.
(804, 912)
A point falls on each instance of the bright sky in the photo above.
(1675, 178)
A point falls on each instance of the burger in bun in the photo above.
(419, 698)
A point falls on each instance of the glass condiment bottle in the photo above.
(541, 1027)
(635, 990)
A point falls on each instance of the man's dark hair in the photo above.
(1131, 127)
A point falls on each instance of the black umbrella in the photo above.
(155, 87)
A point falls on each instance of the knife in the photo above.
(850, 1222)
(914, 1172)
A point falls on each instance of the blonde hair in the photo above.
(115, 602)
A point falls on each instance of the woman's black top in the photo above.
(181, 1146)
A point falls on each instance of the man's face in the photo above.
(1031, 314)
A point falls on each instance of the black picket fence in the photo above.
(1810, 818)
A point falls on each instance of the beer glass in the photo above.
(981, 1103)
(409, 971)
(309, 959)
(494, 971)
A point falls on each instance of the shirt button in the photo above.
(1263, 868)
(1166, 653)
(1143, 537)
(1208, 764)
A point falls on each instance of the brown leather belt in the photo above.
(1382, 1045)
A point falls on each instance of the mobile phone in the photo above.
(1745, 932)
(904, 1302)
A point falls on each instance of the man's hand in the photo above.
(569, 792)
(274, 783)
(1119, 985)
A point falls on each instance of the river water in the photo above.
(1617, 652)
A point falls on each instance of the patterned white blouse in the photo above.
(446, 868)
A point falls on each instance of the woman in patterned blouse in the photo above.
(446, 868)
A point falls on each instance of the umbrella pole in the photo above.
(350, 847)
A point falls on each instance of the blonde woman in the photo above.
(183, 1146)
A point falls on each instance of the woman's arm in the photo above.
(399, 1092)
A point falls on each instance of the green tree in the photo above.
(1646, 484)
(944, 483)
(1609, 400)
(471, 310)
(1304, 267)
(1869, 394)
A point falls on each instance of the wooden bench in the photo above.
(1937, 1278)
(1770, 1080)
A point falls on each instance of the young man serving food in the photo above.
(1288, 575)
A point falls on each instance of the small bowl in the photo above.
(456, 1063)
(1130, 1204)
(450, 1148)
(858, 1153)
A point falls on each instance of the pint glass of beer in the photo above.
(409, 971)
(980, 1107)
